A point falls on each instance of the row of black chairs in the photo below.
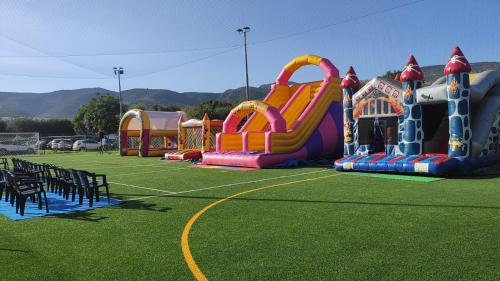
(27, 179)
(20, 186)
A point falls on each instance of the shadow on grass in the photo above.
(14, 250)
(339, 202)
(87, 216)
(90, 216)
(491, 172)
(140, 205)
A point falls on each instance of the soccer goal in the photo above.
(19, 143)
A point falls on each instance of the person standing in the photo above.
(102, 139)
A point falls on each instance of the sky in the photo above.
(192, 45)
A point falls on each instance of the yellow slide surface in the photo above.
(301, 106)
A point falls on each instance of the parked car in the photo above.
(65, 144)
(112, 144)
(42, 144)
(16, 148)
(54, 144)
(80, 145)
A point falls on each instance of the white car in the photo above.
(54, 144)
(16, 148)
(81, 145)
(65, 144)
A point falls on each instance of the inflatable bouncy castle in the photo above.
(448, 128)
(149, 133)
(293, 122)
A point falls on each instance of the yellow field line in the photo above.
(188, 257)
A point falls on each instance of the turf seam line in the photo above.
(188, 257)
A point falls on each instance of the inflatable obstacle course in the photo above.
(293, 122)
(448, 128)
(194, 138)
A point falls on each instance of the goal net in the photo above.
(19, 143)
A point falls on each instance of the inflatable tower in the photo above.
(350, 84)
(457, 89)
(411, 78)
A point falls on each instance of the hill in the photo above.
(433, 72)
(64, 103)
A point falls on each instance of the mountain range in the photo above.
(64, 103)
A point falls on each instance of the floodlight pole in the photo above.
(119, 71)
(245, 30)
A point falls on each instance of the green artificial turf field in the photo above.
(301, 224)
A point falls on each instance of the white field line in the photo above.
(119, 161)
(58, 158)
(90, 166)
(167, 192)
(112, 163)
(123, 164)
(100, 166)
(247, 182)
(145, 197)
(56, 161)
(149, 172)
(140, 187)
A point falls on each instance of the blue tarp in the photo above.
(57, 205)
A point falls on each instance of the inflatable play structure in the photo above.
(149, 133)
(448, 128)
(293, 122)
(194, 138)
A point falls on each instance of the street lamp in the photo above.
(119, 71)
(244, 31)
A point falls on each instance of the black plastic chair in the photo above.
(92, 182)
(63, 182)
(48, 178)
(26, 189)
(86, 184)
(77, 187)
(4, 185)
(99, 180)
(4, 163)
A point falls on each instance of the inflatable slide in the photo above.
(294, 122)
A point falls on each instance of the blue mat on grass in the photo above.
(57, 205)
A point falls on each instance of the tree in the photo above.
(45, 127)
(79, 121)
(3, 126)
(391, 74)
(165, 107)
(215, 110)
(101, 114)
(154, 107)
(136, 106)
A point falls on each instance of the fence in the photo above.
(19, 143)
